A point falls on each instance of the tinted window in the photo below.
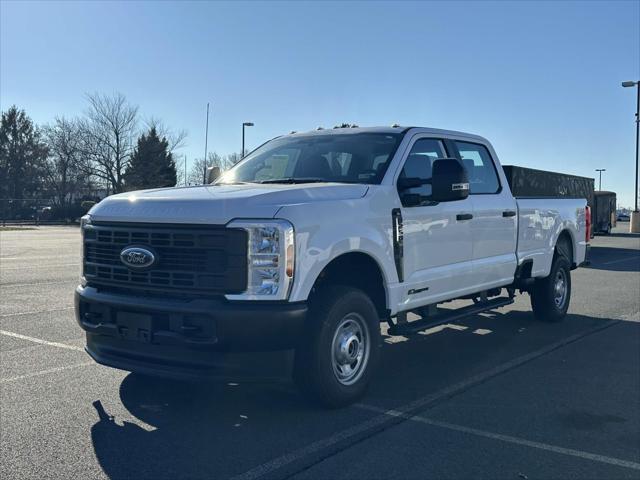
(346, 158)
(480, 168)
(419, 163)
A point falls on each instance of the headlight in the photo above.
(270, 259)
(84, 221)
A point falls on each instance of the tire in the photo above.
(332, 376)
(550, 296)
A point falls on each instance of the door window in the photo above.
(419, 164)
(482, 173)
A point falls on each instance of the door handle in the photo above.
(464, 216)
(509, 213)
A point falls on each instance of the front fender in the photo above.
(322, 235)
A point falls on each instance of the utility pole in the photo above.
(206, 139)
(185, 169)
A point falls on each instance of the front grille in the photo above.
(194, 260)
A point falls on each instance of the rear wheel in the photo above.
(550, 296)
(335, 360)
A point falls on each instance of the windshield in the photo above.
(344, 158)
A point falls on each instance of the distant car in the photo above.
(623, 217)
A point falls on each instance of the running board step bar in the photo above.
(410, 328)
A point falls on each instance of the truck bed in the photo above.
(540, 221)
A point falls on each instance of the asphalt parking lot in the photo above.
(494, 396)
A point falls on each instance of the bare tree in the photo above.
(62, 171)
(231, 159)
(176, 138)
(108, 134)
(198, 167)
(196, 172)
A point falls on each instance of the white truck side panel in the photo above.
(540, 222)
(326, 230)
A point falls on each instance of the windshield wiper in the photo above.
(296, 180)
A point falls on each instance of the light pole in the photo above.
(635, 216)
(206, 141)
(244, 124)
(600, 170)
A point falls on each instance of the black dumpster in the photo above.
(603, 213)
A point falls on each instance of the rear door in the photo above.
(437, 259)
(494, 224)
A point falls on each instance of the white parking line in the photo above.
(46, 372)
(507, 438)
(40, 341)
(388, 419)
(40, 257)
(35, 312)
(482, 331)
(37, 283)
(4, 269)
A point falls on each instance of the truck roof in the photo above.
(351, 130)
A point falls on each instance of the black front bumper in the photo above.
(189, 338)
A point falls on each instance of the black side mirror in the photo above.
(449, 180)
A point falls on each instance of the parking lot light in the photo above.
(244, 124)
(600, 170)
(635, 215)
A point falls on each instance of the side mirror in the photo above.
(449, 180)
(212, 174)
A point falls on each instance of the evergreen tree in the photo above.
(152, 164)
(22, 156)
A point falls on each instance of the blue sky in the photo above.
(541, 80)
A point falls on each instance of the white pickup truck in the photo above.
(310, 242)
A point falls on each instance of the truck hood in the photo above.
(216, 204)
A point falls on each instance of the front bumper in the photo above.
(189, 338)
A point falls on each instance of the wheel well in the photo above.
(357, 270)
(564, 246)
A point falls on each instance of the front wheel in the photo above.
(551, 295)
(335, 360)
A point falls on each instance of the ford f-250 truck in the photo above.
(308, 244)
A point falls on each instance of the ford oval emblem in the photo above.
(137, 257)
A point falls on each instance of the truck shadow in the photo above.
(624, 235)
(615, 259)
(186, 430)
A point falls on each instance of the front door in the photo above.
(437, 245)
(494, 224)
